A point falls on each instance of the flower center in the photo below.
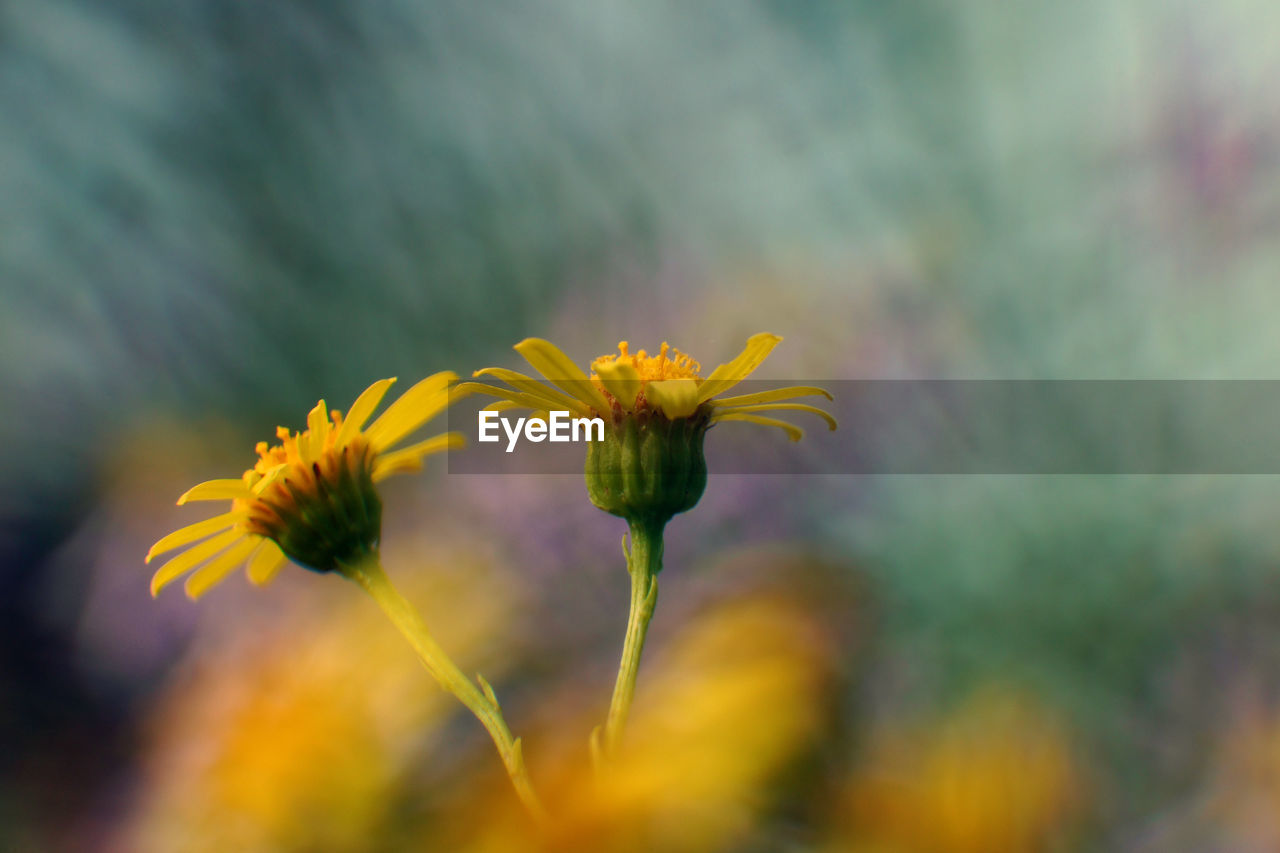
(295, 448)
(669, 363)
(675, 365)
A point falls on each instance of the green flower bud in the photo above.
(648, 469)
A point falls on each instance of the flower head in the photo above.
(626, 385)
(650, 465)
(312, 497)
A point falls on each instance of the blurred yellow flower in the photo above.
(996, 777)
(738, 694)
(310, 498)
(312, 746)
(626, 385)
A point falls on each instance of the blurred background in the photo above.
(214, 213)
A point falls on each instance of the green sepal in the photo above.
(648, 468)
(333, 524)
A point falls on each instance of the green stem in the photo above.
(370, 575)
(644, 561)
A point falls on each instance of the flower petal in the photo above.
(559, 369)
(311, 446)
(793, 432)
(266, 480)
(773, 407)
(221, 566)
(727, 375)
(677, 398)
(361, 409)
(415, 407)
(192, 532)
(216, 490)
(265, 562)
(532, 386)
(521, 400)
(171, 570)
(788, 393)
(622, 380)
(410, 458)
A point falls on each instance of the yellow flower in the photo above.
(262, 743)
(735, 697)
(626, 385)
(310, 498)
(650, 464)
(998, 776)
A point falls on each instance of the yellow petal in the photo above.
(361, 409)
(727, 375)
(318, 426)
(191, 558)
(192, 532)
(788, 393)
(677, 398)
(522, 400)
(216, 490)
(415, 407)
(410, 458)
(559, 369)
(457, 392)
(532, 386)
(221, 566)
(773, 407)
(274, 473)
(621, 380)
(793, 432)
(265, 562)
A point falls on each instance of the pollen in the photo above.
(669, 363)
(624, 379)
(299, 448)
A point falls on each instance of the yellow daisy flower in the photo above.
(650, 465)
(312, 497)
(627, 385)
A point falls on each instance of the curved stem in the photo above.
(644, 561)
(480, 700)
